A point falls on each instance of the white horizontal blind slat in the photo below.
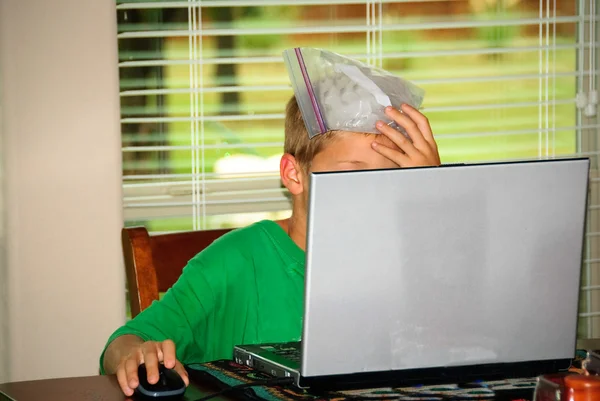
(387, 55)
(281, 116)
(440, 136)
(347, 29)
(287, 87)
(249, 3)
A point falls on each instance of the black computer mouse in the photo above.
(169, 385)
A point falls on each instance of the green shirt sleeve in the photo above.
(184, 309)
(246, 287)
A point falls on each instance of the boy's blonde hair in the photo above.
(297, 143)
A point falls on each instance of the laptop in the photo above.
(437, 274)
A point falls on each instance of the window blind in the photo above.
(203, 91)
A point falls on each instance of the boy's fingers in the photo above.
(131, 371)
(122, 379)
(182, 372)
(411, 127)
(396, 137)
(169, 355)
(151, 360)
(422, 123)
(397, 157)
(423, 136)
(379, 139)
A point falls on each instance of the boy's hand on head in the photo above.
(420, 150)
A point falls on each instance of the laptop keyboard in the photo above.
(289, 351)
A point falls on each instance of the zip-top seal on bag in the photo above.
(338, 93)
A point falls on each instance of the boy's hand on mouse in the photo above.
(151, 353)
(420, 150)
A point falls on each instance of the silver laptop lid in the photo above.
(444, 266)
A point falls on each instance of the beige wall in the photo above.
(61, 152)
(4, 362)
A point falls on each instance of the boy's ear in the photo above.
(291, 174)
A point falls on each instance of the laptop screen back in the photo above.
(444, 266)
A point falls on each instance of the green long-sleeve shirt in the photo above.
(247, 287)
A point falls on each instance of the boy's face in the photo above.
(352, 151)
(346, 151)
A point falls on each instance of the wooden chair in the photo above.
(153, 263)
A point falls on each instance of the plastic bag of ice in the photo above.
(335, 92)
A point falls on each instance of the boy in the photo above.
(248, 286)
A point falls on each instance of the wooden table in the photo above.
(91, 388)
